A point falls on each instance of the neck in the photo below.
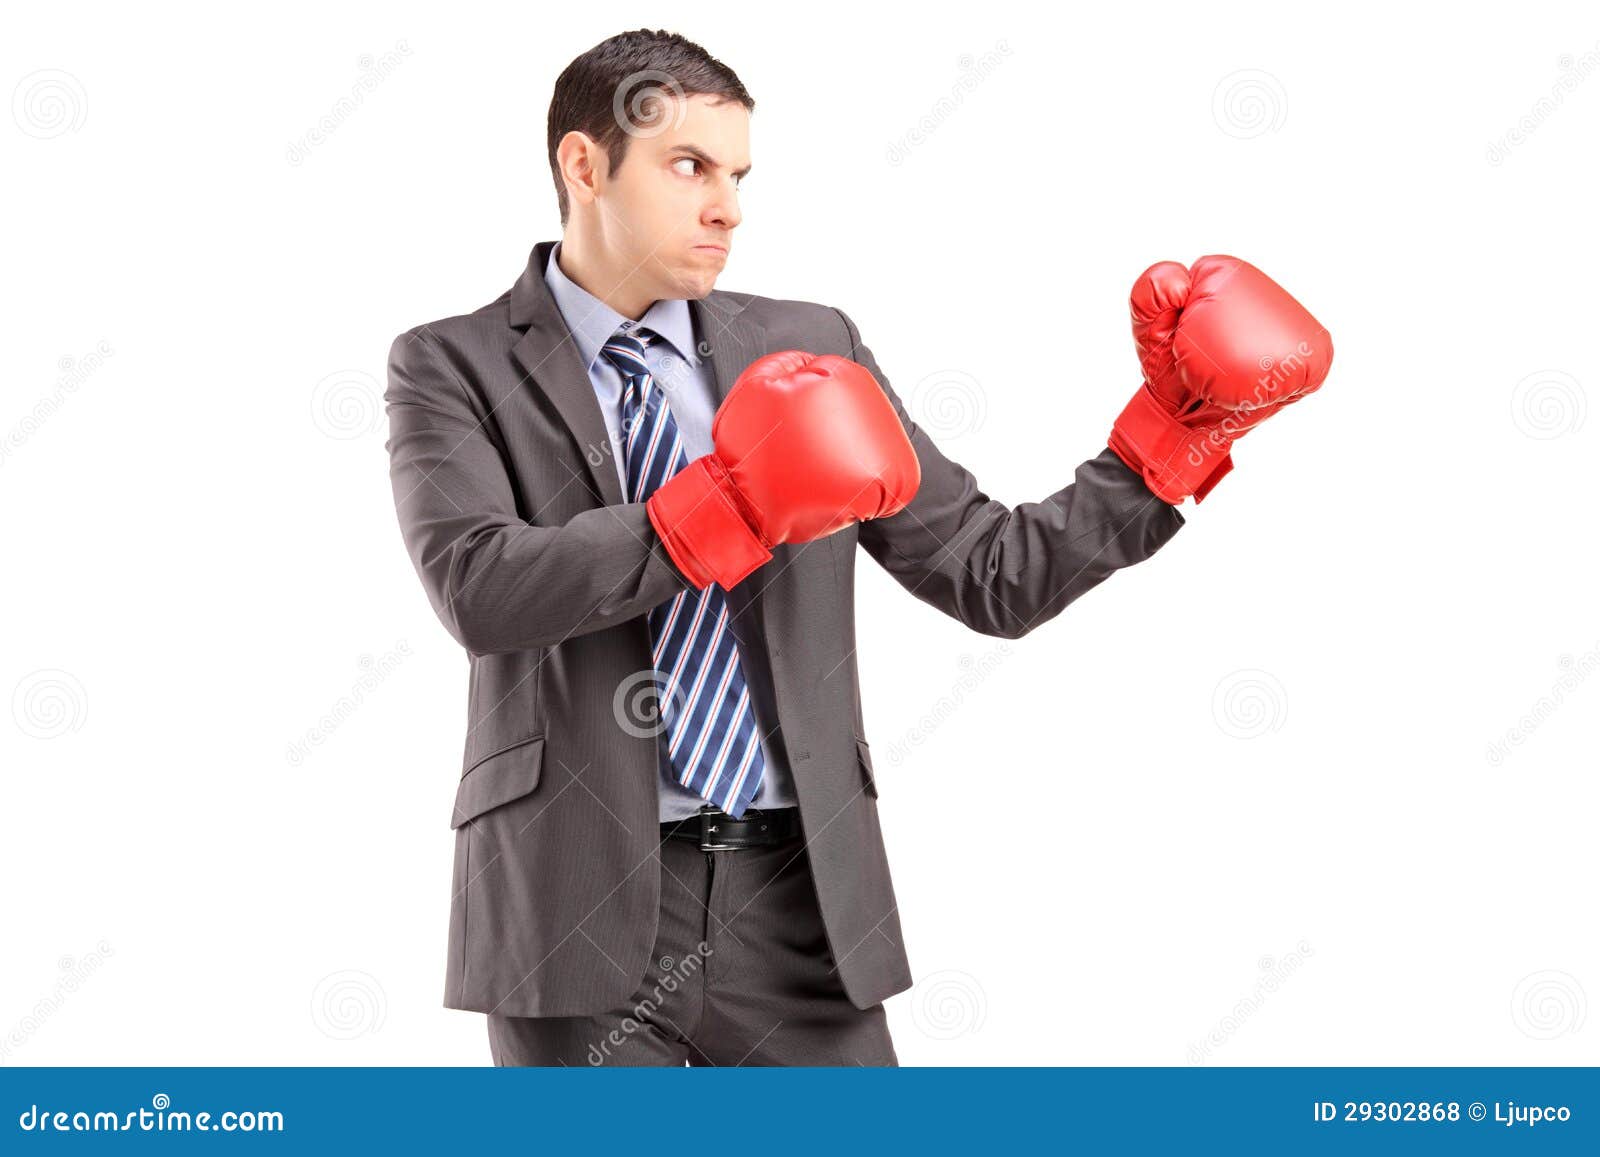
(597, 271)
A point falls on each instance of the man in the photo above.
(667, 838)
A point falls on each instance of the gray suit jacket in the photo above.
(512, 514)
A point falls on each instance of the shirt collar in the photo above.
(592, 322)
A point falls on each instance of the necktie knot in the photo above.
(625, 350)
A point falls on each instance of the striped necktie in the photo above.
(711, 728)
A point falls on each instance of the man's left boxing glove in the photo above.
(803, 446)
(1223, 348)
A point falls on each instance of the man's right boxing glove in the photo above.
(803, 446)
(1223, 348)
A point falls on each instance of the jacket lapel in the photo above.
(726, 338)
(549, 356)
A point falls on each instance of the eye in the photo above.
(695, 167)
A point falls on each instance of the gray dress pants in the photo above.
(741, 974)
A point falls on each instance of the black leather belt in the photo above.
(716, 831)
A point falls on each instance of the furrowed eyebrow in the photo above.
(707, 159)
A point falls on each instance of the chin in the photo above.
(696, 283)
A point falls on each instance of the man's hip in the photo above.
(740, 972)
(556, 893)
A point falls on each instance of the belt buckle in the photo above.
(710, 821)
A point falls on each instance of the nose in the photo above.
(723, 209)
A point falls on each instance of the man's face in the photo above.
(669, 212)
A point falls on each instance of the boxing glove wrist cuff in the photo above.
(1213, 478)
(1175, 460)
(701, 521)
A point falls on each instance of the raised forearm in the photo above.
(1005, 570)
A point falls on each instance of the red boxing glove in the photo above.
(803, 446)
(1223, 348)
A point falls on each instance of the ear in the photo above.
(583, 163)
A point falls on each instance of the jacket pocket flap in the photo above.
(865, 753)
(508, 774)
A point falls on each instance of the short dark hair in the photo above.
(612, 92)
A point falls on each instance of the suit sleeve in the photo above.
(496, 581)
(1003, 570)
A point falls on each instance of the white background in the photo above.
(1266, 823)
